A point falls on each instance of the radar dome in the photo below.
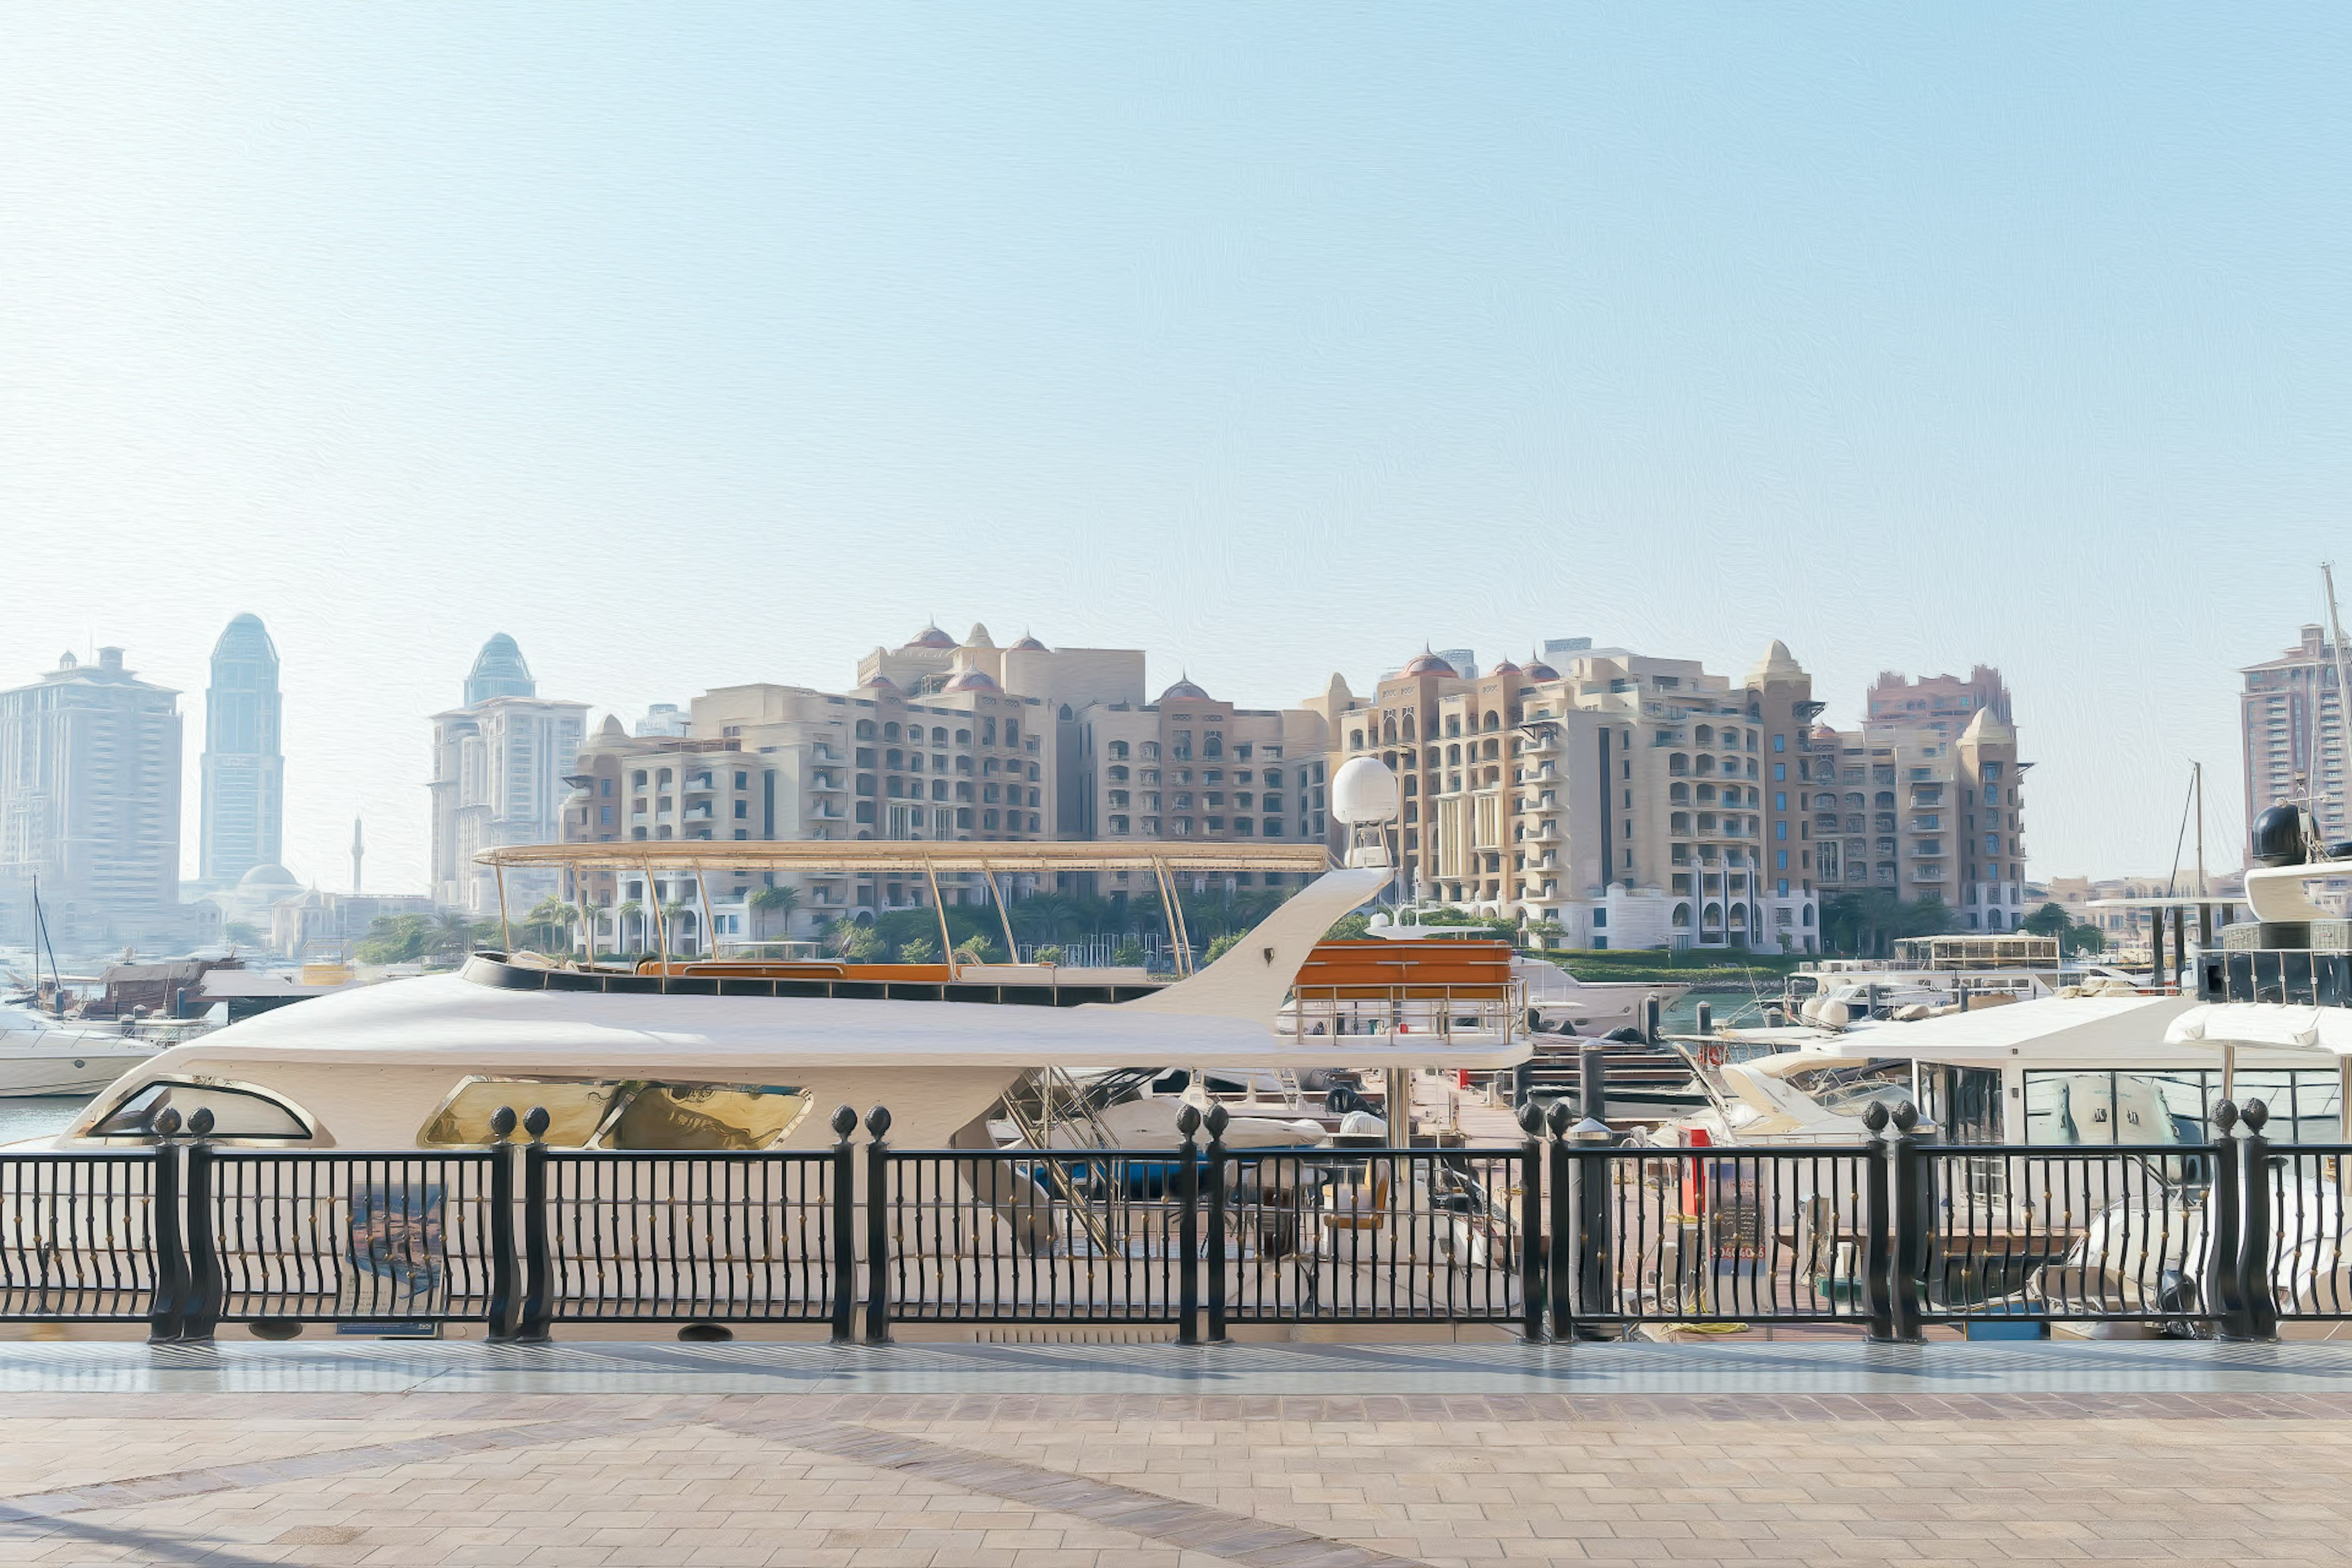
(1363, 791)
(2277, 837)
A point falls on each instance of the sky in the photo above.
(693, 345)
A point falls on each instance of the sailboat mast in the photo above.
(2197, 783)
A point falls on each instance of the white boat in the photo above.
(41, 1056)
(733, 1053)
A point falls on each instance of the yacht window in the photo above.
(1845, 1089)
(707, 1116)
(236, 1112)
(576, 1110)
(2097, 1107)
(622, 1113)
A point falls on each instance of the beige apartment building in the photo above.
(933, 744)
(1638, 802)
(1926, 800)
(1191, 766)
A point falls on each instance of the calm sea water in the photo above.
(41, 1118)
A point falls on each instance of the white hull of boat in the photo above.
(71, 1067)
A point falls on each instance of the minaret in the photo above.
(358, 853)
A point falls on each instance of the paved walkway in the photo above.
(1157, 1457)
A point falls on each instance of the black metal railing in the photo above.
(1570, 1233)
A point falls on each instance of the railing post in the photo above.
(1912, 1202)
(1531, 1218)
(844, 1225)
(1595, 1265)
(877, 1227)
(2255, 1241)
(203, 1310)
(165, 1309)
(1217, 1119)
(1560, 1265)
(2225, 1297)
(538, 1291)
(497, 1312)
(1878, 1225)
(1188, 1232)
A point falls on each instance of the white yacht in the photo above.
(736, 1053)
(44, 1056)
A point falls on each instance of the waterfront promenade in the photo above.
(1162, 1456)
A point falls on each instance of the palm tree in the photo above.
(551, 918)
(773, 902)
(629, 912)
(454, 931)
(673, 913)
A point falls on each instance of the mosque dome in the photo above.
(978, 636)
(1030, 645)
(272, 876)
(973, 680)
(931, 636)
(1430, 664)
(878, 681)
(1539, 671)
(1506, 668)
(1185, 691)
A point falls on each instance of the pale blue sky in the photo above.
(693, 345)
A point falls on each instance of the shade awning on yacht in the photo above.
(945, 856)
(2267, 1026)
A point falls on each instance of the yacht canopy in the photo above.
(2319, 1031)
(2090, 1028)
(947, 856)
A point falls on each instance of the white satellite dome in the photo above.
(1363, 791)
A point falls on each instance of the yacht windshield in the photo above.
(1846, 1088)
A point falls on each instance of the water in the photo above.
(1682, 1013)
(42, 1117)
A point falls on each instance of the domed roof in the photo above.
(1506, 668)
(1185, 691)
(1987, 729)
(978, 636)
(1778, 664)
(1030, 645)
(610, 730)
(931, 636)
(245, 637)
(1430, 664)
(271, 876)
(878, 681)
(499, 671)
(973, 680)
(1537, 669)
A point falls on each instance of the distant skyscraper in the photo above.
(244, 770)
(497, 777)
(90, 795)
(499, 671)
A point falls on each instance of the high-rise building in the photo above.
(2293, 729)
(498, 766)
(90, 800)
(244, 771)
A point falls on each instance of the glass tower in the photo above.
(244, 773)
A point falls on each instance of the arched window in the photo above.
(1213, 745)
(1118, 750)
(1494, 720)
(1682, 914)
(890, 731)
(1677, 764)
(1704, 735)
(1679, 793)
(865, 729)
